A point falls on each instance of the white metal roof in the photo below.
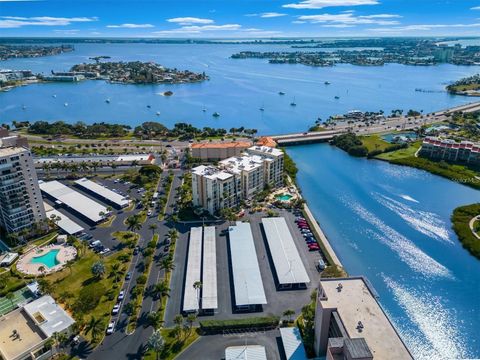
(247, 279)
(65, 223)
(103, 192)
(209, 276)
(288, 264)
(73, 199)
(293, 344)
(56, 319)
(194, 262)
(247, 352)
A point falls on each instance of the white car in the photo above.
(104, 251)
(116, 309)
(149, 213)
(111, 327)
(121, 296)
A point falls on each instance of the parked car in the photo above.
(313, 248)
(111, 327)
(304, 226)
(121, 296)
(116, 309)
(135, 250)
(321, 265)
(128, 276)
(166, 249)
(104, 251)
(149, 213)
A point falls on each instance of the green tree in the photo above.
(161, 289)
(133, 223)
(156, 343)
(98, 269)
(95, 327)
(288, 314)
(155, 319)
(152, 227)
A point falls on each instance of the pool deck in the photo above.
(65, 254)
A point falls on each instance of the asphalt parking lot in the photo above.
(278, 300)
(212, 347)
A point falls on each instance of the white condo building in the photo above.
(21, 202)
(236, 178)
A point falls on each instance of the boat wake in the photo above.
(438, 335)
(409, 198)
(425, 222)
(406, 250)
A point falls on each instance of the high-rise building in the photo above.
(237, 178)
(21, 202)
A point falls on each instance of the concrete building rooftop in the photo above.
(355, 302)
(9, 151)
(247, 352)
(220, 145)
(29, 335)
(211, 172)
(267, 150)
(237, 164)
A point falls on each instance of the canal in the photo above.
(392, 224)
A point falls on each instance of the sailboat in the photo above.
(281, 93)
(215, 114)
(158, 113)
(107, 101)
(293, 103)
(262, 108)
(204, 108)
(65, 104)
(54, 96)
(327, 82)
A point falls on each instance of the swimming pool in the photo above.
(49, 259)
(284, 197)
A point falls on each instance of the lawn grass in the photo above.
(126, 236)
(109, 222)
(400, 154)
(461, 225)
(374, 142)
(173, 346)
(68, 283)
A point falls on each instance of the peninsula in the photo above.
(136, 72)
(30, 51)
(469, 86)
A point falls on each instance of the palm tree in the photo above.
(155, 319)
(156, 343)
(116, 272)
(133, 223)
(167, 264)
(173, 235)
(98, 269)
(153, 227)
(95, 327)
(190, 320)
(197, 285)
(161, 289)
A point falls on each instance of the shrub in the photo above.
(215, 326)
(461, 218)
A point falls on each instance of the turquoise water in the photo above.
(390, 137)
(49, 259)
(284, 197)
(236, 89)
(392, 224)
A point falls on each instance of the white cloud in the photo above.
(7, 22)
(423, 27)
(130, 26)
(195, 29)
(67, 32)
(475, 8)
(320, 4)
(267, 15)
(348, 18)
(190, 21)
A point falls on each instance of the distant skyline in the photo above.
(239, 18)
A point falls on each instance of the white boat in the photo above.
(54, 96)
(66, 104)
(107, 101)
(158, 113)
(293, 103)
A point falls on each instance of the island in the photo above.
(469, 86)
(30, 51)
(136, 72)
(371, 52)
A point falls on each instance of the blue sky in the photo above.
(239, 18)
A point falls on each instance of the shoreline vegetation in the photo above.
(404, 154)
(31, 51)
(461, 218)
(469, 86)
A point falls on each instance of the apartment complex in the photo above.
(350, 323)
(20, 199)
(450, 150)
(218, 151)
(236, 178)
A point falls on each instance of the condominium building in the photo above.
(218, 150)
(21, 202)
(351, 324)
(450, 150)
(237, 178)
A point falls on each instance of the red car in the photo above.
(302, 224)
(313, 246)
